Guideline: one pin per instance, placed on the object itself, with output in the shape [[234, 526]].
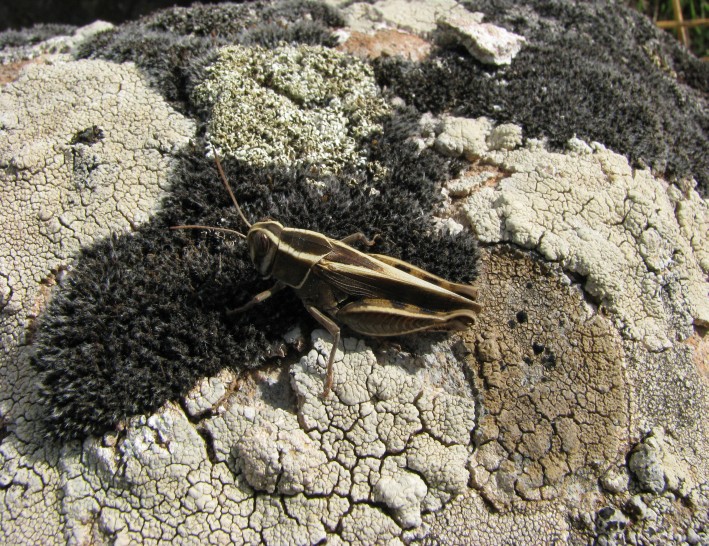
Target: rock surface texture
[[135, 409]]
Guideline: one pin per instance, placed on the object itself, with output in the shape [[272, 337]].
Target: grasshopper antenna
[[228, 188], [211, 228], [233, 199]]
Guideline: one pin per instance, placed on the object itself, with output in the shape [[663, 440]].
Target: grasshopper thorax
[[263, 239]]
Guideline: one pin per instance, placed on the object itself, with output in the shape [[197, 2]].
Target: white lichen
[[615, 226], [58, 194], [319, 105]]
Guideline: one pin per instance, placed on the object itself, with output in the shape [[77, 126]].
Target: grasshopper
[[372, 294]]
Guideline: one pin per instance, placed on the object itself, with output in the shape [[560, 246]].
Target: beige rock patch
[[549, 372]]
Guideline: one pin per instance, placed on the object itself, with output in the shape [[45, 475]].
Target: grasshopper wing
[[360, 275]]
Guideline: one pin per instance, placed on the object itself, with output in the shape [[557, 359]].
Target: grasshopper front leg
[[334, 330], [258, 298]]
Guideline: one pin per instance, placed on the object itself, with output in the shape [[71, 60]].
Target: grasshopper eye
[[262, 252], [261, 244]]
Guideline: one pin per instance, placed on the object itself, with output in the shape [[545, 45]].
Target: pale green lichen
[[291, 106]]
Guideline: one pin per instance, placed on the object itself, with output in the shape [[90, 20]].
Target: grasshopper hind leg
[[334, 330], [382, 318]]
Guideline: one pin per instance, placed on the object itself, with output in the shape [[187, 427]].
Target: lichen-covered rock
[[554, 405], [383, 415], [64, 189], [646, 464], [616, 479], [654, 252], [420, 18], [656, 469], [256, 471], [623, 237], [385, 43], [610, 524], [209, 392], [78, 165], [463, 137], [467, 520], [590, 336], [488, 43], [402, 495]]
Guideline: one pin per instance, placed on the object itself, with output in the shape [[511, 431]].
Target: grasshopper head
[[263, 238]]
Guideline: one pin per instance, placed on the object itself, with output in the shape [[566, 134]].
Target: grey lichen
[[656, 468], [62, 192], [375, 440], [646, 464], [62, 188], [622, 235], [317, 103], [253, 472]]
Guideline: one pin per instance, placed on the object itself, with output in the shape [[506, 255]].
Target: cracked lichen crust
[[636, 246], [317, 103], [63, 191], [615, 226], [77, 163], [550, 377], [469, 520], [358, 468]]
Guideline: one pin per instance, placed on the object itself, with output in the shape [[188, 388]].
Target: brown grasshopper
[[372, 294]]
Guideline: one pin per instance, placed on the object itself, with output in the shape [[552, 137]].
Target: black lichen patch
[[172, 46], [602, 74], [31, 36], [138, 324], [267, 24], [145, 315], [89, 136]]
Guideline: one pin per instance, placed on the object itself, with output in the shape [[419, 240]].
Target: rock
[[489, 44], [646, 465], [387, 43], [615, 480], [591, 277], [610, 521]]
